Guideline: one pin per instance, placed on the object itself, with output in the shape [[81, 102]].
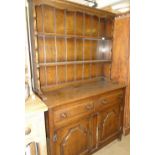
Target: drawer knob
[[63, 115], [89, 107], [27, 131], [104, 101]]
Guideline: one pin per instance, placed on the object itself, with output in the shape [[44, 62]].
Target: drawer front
[[75, 109], [108, 99]]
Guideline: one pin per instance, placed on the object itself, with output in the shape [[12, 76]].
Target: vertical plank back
[[70, 45]]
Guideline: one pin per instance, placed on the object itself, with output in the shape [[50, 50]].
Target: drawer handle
[[27, 131], [63, 115], [89, 107], [104, 101]]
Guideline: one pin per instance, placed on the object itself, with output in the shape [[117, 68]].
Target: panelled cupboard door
[[75, 139], [109, 123]]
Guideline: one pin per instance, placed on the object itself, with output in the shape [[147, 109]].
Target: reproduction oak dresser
[[71, 51]]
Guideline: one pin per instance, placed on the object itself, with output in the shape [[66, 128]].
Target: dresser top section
[[79, 91], [64, 4]]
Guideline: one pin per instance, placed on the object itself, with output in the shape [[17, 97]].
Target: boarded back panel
[[109, 28], [48, 19], [87, 71], [87, 50], [95, 26], [107, 70], [99, 69], [102, 28], [70, 49], [61, 50], [79, 70], [93, 70], [60, 25], [70, 72], [39, 19], [79, 49], [79, 23], [88, 25], [50, 50], [42, 76], [94, 49], [67, 43], [70, 24], [40, 50], [51, 75], [61, 73]]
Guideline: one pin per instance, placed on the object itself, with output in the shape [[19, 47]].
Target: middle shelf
[[72, 62], [85, 37]]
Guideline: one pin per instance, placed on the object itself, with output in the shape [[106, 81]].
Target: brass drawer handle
[[63, 115], [104, 101], [27, 131], [89, 106]]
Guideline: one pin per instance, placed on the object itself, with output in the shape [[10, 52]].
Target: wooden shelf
[[72, 62], [78, 45], [41, 34]]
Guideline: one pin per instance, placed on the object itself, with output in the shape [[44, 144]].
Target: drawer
[[77, 108], [106, 100]]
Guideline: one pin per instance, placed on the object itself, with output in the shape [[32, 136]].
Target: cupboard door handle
[[27, 131], [89, 107], [104, 101], [63, 115], [55, 137]]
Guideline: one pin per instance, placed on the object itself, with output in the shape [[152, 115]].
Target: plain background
[[12, 74]]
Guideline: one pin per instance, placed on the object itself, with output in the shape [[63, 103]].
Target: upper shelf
[[41, 34]]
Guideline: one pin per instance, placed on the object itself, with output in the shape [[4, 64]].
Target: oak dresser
[[71, 55]]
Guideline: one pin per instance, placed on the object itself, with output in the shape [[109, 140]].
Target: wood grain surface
[[121, 61]]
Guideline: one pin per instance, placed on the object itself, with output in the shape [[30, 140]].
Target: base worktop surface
[[79, 91]]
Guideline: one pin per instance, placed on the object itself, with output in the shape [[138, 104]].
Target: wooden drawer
[[108, 99], [74, 109]]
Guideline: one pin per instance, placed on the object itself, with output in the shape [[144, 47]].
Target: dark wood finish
[[92, 119], [73, 50], [72, 36], [121, 61], [73, 7], [74, 139], [78, 108], [109, 123], [104, 101], [78, 91]]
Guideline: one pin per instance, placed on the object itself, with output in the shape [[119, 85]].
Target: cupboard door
[[75, 139], [109, 123]]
